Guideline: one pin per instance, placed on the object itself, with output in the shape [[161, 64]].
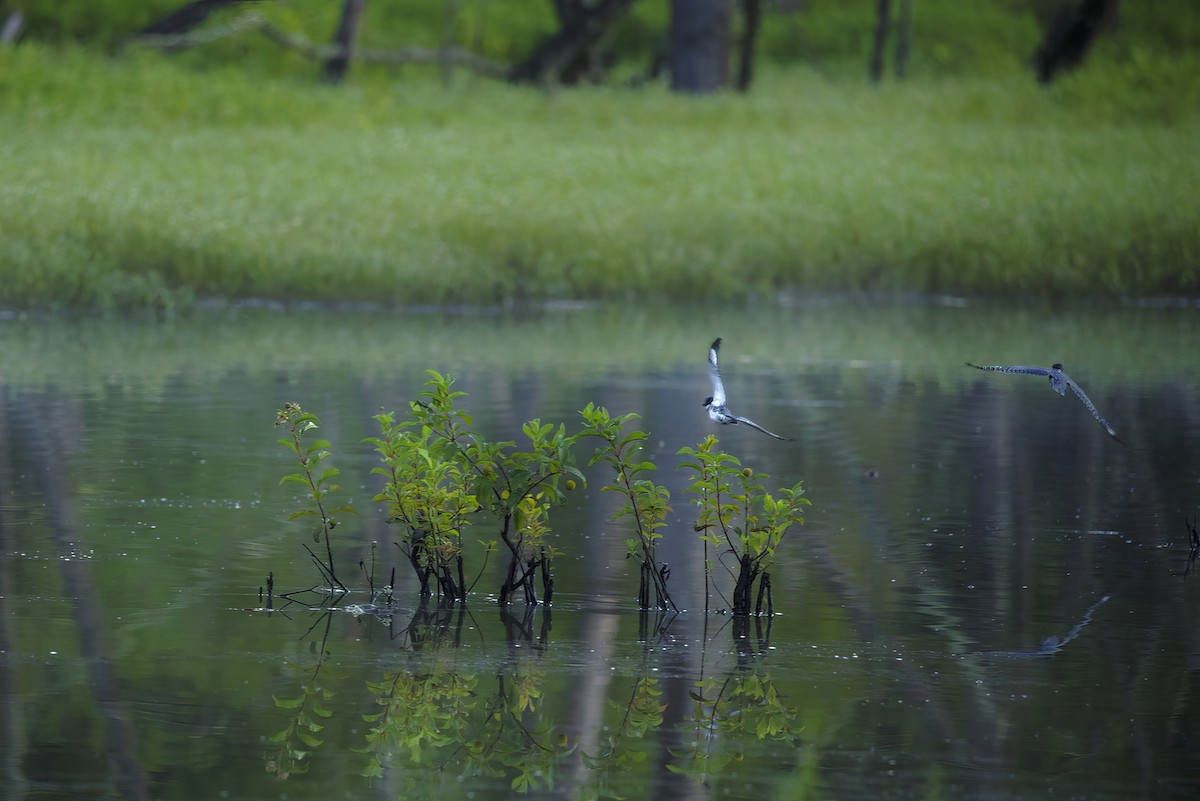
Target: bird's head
[[707, 401], [1056, 366]]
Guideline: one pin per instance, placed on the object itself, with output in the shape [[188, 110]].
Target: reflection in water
[[437, 713], [1052, 644], [953, 520], [1193, 547], [41, 423]]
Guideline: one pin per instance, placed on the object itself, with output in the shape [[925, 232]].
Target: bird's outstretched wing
[[755, 425], [714, 374], [1091, 407], [1016, 368]]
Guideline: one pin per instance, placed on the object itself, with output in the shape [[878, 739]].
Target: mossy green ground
[[137, 182]]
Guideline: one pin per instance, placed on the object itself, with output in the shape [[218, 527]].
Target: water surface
[[987, 600]]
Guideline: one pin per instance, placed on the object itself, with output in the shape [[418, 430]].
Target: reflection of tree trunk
[[701, 31], [13, 784], [347, 34], [883, 16], [1069, 37], [187, 17], [39, 421]]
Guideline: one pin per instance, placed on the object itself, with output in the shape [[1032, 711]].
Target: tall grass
[[133, 182]]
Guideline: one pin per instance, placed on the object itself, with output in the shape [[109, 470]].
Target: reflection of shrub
[[627, 745], [729, 713], [728, 493], [444, 720]]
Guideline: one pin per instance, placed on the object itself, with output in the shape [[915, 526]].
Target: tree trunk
[[1070, 36], [570, 14], [883, 19], [581, 27], [187, 17], [345, 38], [903, 38], [699, 43], [751, 20]]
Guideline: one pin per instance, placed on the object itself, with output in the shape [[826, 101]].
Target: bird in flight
[[1059, 381], [716, 404]]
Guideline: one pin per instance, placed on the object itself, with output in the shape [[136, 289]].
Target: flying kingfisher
[[716, 404], [1059, 381]]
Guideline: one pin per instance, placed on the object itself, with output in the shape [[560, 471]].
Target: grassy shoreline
[[133, 183]]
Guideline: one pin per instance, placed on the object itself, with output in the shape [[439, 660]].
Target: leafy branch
[[734, 512], [646, 503], [317, 480]]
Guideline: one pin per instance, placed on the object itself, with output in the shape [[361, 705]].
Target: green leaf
[[288, 703], [308, 739]]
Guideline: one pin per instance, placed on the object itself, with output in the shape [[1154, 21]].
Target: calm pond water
[[987, 600]]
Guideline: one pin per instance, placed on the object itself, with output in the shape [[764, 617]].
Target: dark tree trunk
[[699, 42], [883, 20], [903, 38], [1070, 36], [345, 38], [582, 27], [570, 14], [751, 20], [187, 17]]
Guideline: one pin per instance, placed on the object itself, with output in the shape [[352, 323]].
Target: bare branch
[[294, 41]]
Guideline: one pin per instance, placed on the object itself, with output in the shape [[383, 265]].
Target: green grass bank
[[134, 182]]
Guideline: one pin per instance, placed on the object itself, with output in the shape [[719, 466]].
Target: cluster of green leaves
[[428, 494], [737, 515], [439, 471], [646, 503], [439, 474], [317, 480]]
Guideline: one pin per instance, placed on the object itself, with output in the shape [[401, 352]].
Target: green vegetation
[[737, 516], [646, 503], [317, 481], [439, 472], [140, 180]]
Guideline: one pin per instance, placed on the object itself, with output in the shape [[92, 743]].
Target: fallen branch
[[293, 41]]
